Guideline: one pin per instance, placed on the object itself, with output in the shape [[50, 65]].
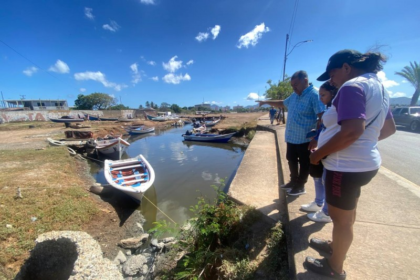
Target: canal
[[184, 171]]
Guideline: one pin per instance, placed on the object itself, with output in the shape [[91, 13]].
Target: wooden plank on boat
[[130, 176], [126, 167], [133, 181]]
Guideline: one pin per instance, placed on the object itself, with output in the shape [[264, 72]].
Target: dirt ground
[[113, 221]]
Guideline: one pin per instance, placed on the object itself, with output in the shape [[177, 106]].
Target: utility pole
[[284, 75], [2, 97], [120, 100]]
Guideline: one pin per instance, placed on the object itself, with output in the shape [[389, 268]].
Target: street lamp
[[287, 54], [285, 59]]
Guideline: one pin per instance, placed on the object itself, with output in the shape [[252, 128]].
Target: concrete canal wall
[[22, 116]]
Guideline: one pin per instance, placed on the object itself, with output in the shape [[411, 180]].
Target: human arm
[[274, 103], [388, 129], [350, 131]]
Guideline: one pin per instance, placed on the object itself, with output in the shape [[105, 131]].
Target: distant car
[[407, 116]]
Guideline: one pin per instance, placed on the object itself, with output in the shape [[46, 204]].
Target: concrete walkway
[[387, 230]]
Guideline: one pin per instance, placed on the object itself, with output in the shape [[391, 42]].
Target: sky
[[187, 52]]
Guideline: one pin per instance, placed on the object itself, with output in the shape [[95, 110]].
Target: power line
[[33, 63], [293, 20]]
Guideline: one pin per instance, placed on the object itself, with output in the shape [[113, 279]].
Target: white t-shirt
[[360, 98]]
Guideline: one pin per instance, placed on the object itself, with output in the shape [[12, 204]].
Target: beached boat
[[212, 123], [112, 147], [141, 130], [132, 176], [150, 117], [66, 119], [187, 122], [217, 138], [160, 119], [98, 118], [126, 120]]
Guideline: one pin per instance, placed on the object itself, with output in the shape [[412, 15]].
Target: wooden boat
[[98, 118], [160, 119], [112, 147], [141, 130], [66, 119], [150, 117], [132, 176], [126, 120], [76, 134], [55, 142], [216, 138], [212, 123], [187, 122]]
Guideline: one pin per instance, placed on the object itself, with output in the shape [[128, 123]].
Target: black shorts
[[342, 189]]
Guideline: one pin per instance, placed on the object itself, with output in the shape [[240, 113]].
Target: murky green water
[[184, 171]]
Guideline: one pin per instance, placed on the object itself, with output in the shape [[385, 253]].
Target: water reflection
[[184, 171]]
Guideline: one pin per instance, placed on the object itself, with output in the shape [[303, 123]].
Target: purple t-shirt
[[360, 98]]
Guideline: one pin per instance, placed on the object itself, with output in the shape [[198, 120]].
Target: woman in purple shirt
[[358, 118]]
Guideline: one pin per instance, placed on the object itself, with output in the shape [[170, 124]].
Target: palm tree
[[412, 74]]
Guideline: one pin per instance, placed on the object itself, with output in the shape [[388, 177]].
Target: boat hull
[[113, 148], [215, 138], [141, 131], [66, 120], [132, 176]]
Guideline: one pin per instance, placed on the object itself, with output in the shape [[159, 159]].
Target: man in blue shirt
[[304, 108], [272, 114]]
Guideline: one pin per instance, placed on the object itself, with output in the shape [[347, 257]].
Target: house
[[35, 105]]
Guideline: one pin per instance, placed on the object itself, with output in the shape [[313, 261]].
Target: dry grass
[[52, 192], [240, 120]]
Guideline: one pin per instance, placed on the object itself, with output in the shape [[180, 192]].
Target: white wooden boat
[[141, 130], [66, 119], [217, 138], [132, 176], [212, 123], [126, 120], [55, 142], [160, 119], [112, 147]]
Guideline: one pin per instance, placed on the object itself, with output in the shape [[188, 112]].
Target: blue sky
[[187, 51]]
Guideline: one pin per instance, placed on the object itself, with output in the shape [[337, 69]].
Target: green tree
[[140, 106], [118, 107], [147, 104], [155, 107], [94, 101], [280, 90], [164, 106], [176, 108], [412, 74], [152, 105]]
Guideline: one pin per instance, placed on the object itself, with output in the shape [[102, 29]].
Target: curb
[[284, 210]]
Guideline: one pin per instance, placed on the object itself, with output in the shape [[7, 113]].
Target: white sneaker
[[311, 207], [319, 217]]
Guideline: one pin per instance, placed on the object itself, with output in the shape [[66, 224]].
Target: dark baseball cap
[[338, 59]]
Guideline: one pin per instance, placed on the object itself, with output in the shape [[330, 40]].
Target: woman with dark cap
[[358, 118]]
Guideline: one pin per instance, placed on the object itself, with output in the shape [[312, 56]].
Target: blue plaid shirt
[[302, 114]]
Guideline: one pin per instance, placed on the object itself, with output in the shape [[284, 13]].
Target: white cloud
[[202, 36], [30, 71], [155, 78], [252, 37], [254, 96], [404, 81], [82, 89], [190, 62], [98, 77], [175, 79], [397, 94], [216, 103], [215, 31], [88, 13], [387, 83], [172, 64], [147, 2], [151, 63], [113, 26], [60, 67], [135, 74]]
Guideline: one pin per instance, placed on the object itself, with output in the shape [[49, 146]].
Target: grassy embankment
[[53, 199]]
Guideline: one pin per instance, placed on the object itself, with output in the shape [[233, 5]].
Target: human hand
[[315, 158], [312, 145]]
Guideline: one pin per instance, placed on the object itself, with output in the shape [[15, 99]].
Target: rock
[[9, 226], [168, 239], [120, 258], [133, 243], [133, 265], [154, 242], [168, 246], [128, 252], [140, 227], [145, 269]]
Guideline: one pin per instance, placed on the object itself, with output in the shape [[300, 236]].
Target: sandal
[[321, 246], [322, 267]]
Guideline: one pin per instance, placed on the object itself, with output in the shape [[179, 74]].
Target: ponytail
[[371, 62]]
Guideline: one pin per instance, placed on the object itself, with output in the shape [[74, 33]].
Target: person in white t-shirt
[[358, 118]]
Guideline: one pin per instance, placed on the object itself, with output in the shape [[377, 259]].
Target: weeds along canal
[[184, 171]]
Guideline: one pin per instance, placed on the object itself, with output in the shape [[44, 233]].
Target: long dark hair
[[331, 89], [370, 62]]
